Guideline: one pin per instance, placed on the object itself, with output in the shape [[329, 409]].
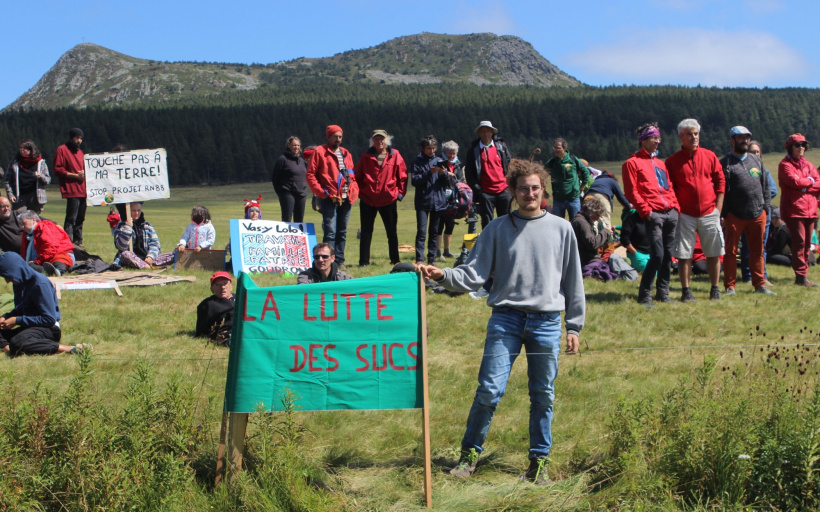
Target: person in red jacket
[[699, 183], [45, 246], [330, 178], [647, 186], [382, 178], [69, 166], [800, 186]]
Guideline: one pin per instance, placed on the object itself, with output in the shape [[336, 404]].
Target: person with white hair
[[699, 185]]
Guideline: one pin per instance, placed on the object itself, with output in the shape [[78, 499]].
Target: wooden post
[[220, 452], [236, 442], [425, 410]]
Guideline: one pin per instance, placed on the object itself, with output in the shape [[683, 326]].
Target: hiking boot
[[686, 296], [662, 297], [804, 281], [447, 254], [537, 471], [730, 292], [645, 297], [714, 293], [466, 464], [765, 291]]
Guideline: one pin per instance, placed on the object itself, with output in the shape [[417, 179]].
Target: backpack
[[459, 201]]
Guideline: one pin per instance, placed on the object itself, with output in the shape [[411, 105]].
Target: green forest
[[236, 137]]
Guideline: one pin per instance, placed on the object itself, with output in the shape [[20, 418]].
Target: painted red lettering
[[347, 297], [380, 306], [331, 359], [390, 353], [335, 308], [270, 305], [245, 316], [414, 356], [362, 359], [366, 297], [376, 366], [312, 359], [305, 315], [296, 351]]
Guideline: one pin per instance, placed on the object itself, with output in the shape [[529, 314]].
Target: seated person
[[634, 238], [778, 246], [10, 228], [137, 242], [590, 243], [214, 315], [200, 233], [33, 326], [324, 267], [45, 245], [699, 265]]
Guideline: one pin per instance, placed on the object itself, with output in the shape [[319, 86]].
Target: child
[[113, 218], [252, 209], [200, 233]]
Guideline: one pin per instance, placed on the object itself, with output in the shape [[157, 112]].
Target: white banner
[[137, 175], [266, 246]]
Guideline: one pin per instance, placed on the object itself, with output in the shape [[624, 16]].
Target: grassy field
[[371, 460]]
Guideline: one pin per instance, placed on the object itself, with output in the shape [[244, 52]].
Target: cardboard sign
[[352, 344], [206, 259], [127, 177], [265, 246]]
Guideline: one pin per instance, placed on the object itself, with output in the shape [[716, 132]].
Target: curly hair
[[523, 168], [593, 206]]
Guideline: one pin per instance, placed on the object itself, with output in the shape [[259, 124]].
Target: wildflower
[[743, 456]]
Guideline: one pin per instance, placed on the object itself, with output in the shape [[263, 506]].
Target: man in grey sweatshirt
[[537, 274]]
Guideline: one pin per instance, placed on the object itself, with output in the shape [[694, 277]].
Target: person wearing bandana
[[27, 177], [647, 186]]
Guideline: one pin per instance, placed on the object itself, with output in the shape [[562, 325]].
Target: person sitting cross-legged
[[33, 326], [590, 242], [138, 243]]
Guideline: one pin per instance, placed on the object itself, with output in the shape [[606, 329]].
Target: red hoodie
[[65, 162], [698, 179], [51, 243], [381, 185], [641, 184]]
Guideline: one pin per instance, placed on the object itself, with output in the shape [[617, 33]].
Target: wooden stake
[[220, 452], [425, 410], [236, 443]]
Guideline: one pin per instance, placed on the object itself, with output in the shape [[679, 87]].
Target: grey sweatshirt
[[536, 266]]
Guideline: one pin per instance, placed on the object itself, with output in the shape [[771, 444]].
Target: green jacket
[[567, 175]]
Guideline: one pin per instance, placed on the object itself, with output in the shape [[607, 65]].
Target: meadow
[[638, 370]]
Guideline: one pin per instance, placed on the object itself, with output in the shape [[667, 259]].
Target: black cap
[[75, 132]]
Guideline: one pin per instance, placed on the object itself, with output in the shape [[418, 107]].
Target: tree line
[[236, 137]]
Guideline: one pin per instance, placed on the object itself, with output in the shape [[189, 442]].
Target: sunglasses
[[321, 256], [801, 144]]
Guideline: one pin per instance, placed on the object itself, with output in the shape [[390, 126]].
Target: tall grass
[[101, 432]]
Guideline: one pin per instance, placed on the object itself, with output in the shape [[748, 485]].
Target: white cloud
[[482, 16], [761, 7], [692, 57]]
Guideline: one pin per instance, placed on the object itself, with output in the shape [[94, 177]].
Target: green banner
[[352, 344]]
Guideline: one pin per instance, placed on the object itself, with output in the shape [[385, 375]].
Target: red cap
[[219, 274], [333, 129], [794, 139], [307, 154]]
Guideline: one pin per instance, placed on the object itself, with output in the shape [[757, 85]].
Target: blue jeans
[[334, 225], [507, 330], [573, 206]]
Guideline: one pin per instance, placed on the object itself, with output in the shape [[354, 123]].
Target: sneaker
[[480, 294], [686, 296], [466, 464], [537, 471], [714, 293], [729, 292], [765, 291], [50, 269], [804, 281], [447, 254]]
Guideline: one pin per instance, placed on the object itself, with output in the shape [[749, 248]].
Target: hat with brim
[[739, 130], [220, 274], [793, 139], [380, 133], [486, 124]]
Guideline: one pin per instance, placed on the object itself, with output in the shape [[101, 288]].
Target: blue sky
[[748, 43]]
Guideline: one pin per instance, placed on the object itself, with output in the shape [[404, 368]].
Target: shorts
[[707, 227]]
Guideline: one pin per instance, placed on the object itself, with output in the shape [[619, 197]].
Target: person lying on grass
[[33, 326]]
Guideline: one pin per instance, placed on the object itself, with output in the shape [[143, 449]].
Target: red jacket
[[698, 179], [66, 161], [51, 243], [323, 175], [794, 178], [381, 185], [641, 185]]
